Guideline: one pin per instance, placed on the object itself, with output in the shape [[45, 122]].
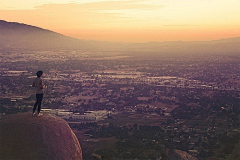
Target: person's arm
[[42, 85]]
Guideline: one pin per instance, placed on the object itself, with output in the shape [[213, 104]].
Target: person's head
[[39, 74]]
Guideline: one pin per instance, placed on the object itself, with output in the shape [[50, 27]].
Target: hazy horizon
[[134, 21], [119, 42]]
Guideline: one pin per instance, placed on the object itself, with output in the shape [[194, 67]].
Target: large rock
[[177, 155], [47, 137]]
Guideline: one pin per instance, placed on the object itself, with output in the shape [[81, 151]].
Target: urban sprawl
[[188, 103]]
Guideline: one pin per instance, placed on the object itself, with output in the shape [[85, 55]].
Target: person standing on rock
[[38, 84]]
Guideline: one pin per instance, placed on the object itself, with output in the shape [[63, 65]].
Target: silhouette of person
[[38, 84]]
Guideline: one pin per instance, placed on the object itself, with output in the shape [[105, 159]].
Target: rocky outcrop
[[46, 137], [177, 155]]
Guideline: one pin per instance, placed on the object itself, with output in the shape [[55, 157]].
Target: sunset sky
[[129, 20]]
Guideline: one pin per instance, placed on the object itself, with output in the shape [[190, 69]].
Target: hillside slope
[[21, 36]]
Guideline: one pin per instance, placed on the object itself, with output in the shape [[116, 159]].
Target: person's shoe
[[33, 114], [39, 114]]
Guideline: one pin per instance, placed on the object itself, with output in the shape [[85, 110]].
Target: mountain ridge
[[14, 35], [23, 36]]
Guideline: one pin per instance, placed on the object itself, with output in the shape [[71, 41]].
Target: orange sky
[[130, 20]]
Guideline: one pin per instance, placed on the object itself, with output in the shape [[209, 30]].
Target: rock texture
[[182, 155], [47, 137], [177, 155]]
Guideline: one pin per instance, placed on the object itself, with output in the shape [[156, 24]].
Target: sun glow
[[131, 20]]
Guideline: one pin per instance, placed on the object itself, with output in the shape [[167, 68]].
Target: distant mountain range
[[21, 36]]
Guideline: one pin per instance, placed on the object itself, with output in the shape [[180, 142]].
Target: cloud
[[181, 25], [105, 5], [118, 5], [105, 14]]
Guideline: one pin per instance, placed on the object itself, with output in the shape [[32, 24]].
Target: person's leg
[[40, 103], [37, 101]]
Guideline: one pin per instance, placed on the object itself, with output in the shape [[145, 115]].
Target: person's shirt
[[38, 84]]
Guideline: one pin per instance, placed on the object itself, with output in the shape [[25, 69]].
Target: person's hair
[[39, 73]]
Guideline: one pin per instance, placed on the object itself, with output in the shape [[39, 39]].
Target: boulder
[[46, 137]]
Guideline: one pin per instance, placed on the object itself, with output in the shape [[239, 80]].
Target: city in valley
[[132, 105]]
